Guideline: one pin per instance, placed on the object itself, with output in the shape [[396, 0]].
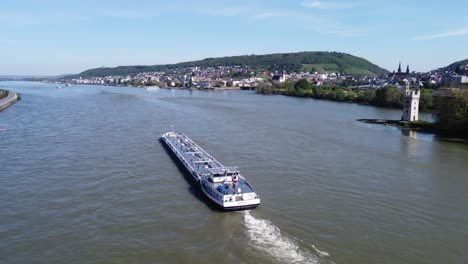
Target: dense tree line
[[452, 114], [385, 97], [291, 62]]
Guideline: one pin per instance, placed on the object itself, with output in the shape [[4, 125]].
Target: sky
[[51, 37]]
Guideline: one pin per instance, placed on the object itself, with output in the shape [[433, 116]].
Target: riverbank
[[387, 96], [224, 88], [7, 98]]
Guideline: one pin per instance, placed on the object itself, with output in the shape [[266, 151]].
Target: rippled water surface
[[84, 179]]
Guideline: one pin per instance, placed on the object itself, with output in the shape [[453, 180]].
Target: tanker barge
[[223, 186]]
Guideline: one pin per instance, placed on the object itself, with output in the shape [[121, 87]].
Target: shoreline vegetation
[[146, 85], [387, 96], [450, 109]]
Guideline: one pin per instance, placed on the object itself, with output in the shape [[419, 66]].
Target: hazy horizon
[[54, 37]]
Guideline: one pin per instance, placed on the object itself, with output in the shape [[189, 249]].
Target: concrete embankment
[[7, 98]]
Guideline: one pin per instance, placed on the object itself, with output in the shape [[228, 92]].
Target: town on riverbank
[[320, 68], [249, 77], [442, 92], [331, 76]]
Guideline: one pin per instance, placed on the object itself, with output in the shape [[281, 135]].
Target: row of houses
[[236, 76]]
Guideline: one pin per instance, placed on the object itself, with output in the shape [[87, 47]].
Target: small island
[[419, 126], [451, 115], [449, 105], [410, 117]]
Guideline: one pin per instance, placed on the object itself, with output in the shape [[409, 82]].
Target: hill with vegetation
[[457, 66], [323, 62]]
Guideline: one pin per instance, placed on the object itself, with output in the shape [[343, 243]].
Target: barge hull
[[222, 204]]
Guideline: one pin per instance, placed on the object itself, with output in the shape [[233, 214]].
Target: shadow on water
[[193, 188]]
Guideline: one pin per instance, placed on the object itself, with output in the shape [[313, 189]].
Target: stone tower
[[411, 104]]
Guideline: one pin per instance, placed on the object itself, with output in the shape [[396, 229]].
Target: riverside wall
[[8, 100]]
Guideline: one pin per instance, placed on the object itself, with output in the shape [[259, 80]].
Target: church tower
[[399, 69], [407, 70], [411, 104]]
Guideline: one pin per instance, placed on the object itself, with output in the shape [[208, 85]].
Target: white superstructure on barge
[[224, 186]]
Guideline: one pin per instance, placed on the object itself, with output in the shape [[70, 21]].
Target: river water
[[84, 179]]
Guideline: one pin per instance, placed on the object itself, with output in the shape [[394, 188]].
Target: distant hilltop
[[322, 62], [458, 67]]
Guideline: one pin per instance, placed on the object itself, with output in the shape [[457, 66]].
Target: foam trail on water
[[267, 237], [321, 253]]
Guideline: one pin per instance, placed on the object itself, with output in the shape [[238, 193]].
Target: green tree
[[388, 97], [339, 95], [264, 88], [365, 96], [302, 85], [319, 92], [452, 115], [425, 102]]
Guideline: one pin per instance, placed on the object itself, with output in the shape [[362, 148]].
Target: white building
[[279, 78], [323, 76], [455, 79], [411, 104]]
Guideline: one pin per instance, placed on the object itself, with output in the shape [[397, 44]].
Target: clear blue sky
[[57, 37]]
